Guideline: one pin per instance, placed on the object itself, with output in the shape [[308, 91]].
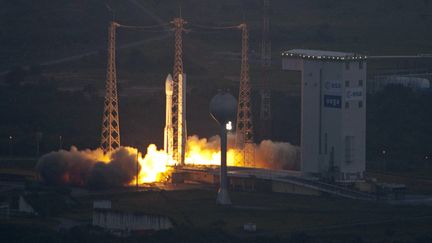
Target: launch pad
[[264, 180]]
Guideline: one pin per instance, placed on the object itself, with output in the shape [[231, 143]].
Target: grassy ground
[[276, 213], [280, 214], [326, 219]]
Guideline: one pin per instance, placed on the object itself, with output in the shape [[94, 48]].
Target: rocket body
[[180, 124], [168, 130]]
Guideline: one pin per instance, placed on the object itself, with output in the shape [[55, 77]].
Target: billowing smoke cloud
[[120, 170], [97, 170], [277, 155], [88, 167], [268, 154]]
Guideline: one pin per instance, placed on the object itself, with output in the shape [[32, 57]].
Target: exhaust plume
[[277, 155], [97, 170], [268, 154], [88, 167]]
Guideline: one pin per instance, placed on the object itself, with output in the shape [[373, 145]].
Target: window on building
[[347, 105], [347, 83], [361, 65], [347, 65], [360, 83], [349, 149], [360, 104]]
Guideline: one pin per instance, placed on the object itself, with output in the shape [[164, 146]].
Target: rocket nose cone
[[169, 85], [169, 77]]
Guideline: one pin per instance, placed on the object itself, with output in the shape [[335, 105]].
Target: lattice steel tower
[[110, 137], [244, 127], [265, 92], [178, 98]]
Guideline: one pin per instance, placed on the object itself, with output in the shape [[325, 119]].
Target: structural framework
[[244, 126], [178, 97], [110, 137]]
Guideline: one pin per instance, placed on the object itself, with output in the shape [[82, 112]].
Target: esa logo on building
[[332, 101], [354, 94], [333, 86]]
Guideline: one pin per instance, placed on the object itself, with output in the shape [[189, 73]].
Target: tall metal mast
[[178, 109], [245, 137], [110, 137], [265, 92]]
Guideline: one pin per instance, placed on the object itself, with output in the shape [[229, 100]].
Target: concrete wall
[[283, 187], [354, 122], [310, 117], [333, 117], [106, 204], [125, 221], [242, 184], [203, 177]]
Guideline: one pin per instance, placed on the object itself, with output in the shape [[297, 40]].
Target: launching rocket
[[168, 131], [175, 134]]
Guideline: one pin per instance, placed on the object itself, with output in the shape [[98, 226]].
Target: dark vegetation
[[9, 233], [34, 109], [279, 218], [43, 102], [398, 122], [91, 235]]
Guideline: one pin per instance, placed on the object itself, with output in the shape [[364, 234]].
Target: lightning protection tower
[[244, 126], [178, 98], [110, 137]]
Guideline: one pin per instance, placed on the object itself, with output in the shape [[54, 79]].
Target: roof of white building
[[322, 55]]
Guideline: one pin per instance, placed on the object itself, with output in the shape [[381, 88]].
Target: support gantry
[[178, 98], [110, 137], [244, 126]]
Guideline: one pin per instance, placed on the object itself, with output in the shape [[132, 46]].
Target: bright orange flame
[[156, 163], [153, 165], [203, 152]]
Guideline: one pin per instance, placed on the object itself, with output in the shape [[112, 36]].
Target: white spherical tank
[[223, 107]]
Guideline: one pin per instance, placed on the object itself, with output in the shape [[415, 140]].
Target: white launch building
[[333, 112]]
